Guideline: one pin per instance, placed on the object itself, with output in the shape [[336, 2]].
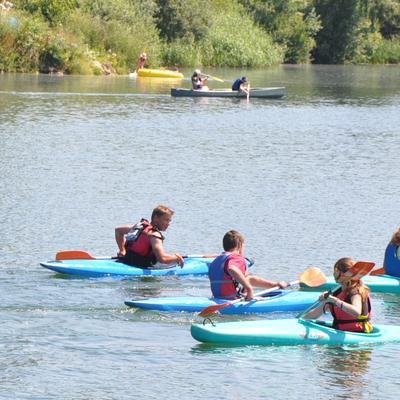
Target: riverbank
[[106, 37]]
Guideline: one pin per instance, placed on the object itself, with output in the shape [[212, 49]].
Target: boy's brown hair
[[232, 239]]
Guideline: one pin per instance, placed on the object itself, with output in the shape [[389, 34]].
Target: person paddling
[[199, 80], [351, 306], [141, 244], [241, 85], [391, 263], [228, 273]]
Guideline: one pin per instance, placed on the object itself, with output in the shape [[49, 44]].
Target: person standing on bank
[[141, 244], [228, 273]]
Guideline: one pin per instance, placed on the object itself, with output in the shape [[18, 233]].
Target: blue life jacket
[[391, 262], [236, 84], [222, 284]]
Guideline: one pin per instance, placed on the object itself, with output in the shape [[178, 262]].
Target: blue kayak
[[289, 332], [377, 283], [112, 267], [279, 300]]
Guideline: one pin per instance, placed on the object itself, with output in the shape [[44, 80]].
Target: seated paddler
[[351, 306], [229, 275], [141, 244], [391, 263]]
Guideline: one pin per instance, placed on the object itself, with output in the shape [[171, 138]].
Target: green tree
[[183, 19]]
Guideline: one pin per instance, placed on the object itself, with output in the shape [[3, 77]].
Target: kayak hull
[[272, 93], [111, 267], [377, 283], [159, 73], [289, 332], [275, 301]]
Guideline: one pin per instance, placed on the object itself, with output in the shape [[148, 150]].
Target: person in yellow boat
[[141, 244], [351, 307], [141, 61], [199, 80]]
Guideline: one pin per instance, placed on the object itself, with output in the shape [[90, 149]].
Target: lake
[[307, 179]]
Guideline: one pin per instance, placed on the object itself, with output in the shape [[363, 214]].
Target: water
[[307, 179]]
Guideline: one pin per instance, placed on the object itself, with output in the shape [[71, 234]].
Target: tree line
[[97, 36]]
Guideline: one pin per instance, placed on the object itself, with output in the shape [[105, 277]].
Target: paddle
[[248, 92], [214, 78], [84, 255], [357, 271], [311, 277], [379, 271]]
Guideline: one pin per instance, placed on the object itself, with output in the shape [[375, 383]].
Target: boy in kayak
[[141, 244], [198, 80], [241, 85], [351, 307], [228, 273]]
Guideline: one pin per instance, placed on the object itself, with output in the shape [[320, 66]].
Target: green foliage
[[387, 52], [188, 20], [292, 23], [235, 40], [180, 53], [54, 11]]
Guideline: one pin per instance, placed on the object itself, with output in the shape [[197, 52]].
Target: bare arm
[[161, 255], [240, 277], [120, 232]]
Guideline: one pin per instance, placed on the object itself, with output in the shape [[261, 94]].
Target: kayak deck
[[274, 301], [289, 332], [112, 267], [377, 283], [159, 73]]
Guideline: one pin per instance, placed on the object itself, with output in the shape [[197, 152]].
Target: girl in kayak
[[228, 273], [351, 307], [141, 244], [198, 80]]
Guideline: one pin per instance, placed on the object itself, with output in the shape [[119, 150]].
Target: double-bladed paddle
[[84, 255], [311, 277], [357, 271]]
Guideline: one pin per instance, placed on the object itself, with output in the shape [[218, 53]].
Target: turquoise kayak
[[112, 267], [279, 300], [289, 332], [377, 283]]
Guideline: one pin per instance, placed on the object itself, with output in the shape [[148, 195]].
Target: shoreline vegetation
[[97, 37]]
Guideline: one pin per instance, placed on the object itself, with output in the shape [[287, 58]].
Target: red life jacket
[[346, 322], [138, 250]]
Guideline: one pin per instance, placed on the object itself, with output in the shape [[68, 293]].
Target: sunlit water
[[308, 179]]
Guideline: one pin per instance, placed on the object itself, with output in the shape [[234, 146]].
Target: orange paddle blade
[[359, 269], [312, 277], [379, 271], [213, 309], [73, 255]]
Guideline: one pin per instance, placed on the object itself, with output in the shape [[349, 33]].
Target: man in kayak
[[228, 273], [141, 244], [198, 80], [241, 85], [351, 307], [391, 263]]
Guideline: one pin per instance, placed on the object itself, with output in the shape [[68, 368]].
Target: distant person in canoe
[[241, 85], [141, 61], [228, 273], [351, 307], [141, 244], [391, 263], [199, 80]]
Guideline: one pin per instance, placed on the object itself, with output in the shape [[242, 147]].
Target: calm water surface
[[307, 179]]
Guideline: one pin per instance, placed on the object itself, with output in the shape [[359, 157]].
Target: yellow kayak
[[159, 73]]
